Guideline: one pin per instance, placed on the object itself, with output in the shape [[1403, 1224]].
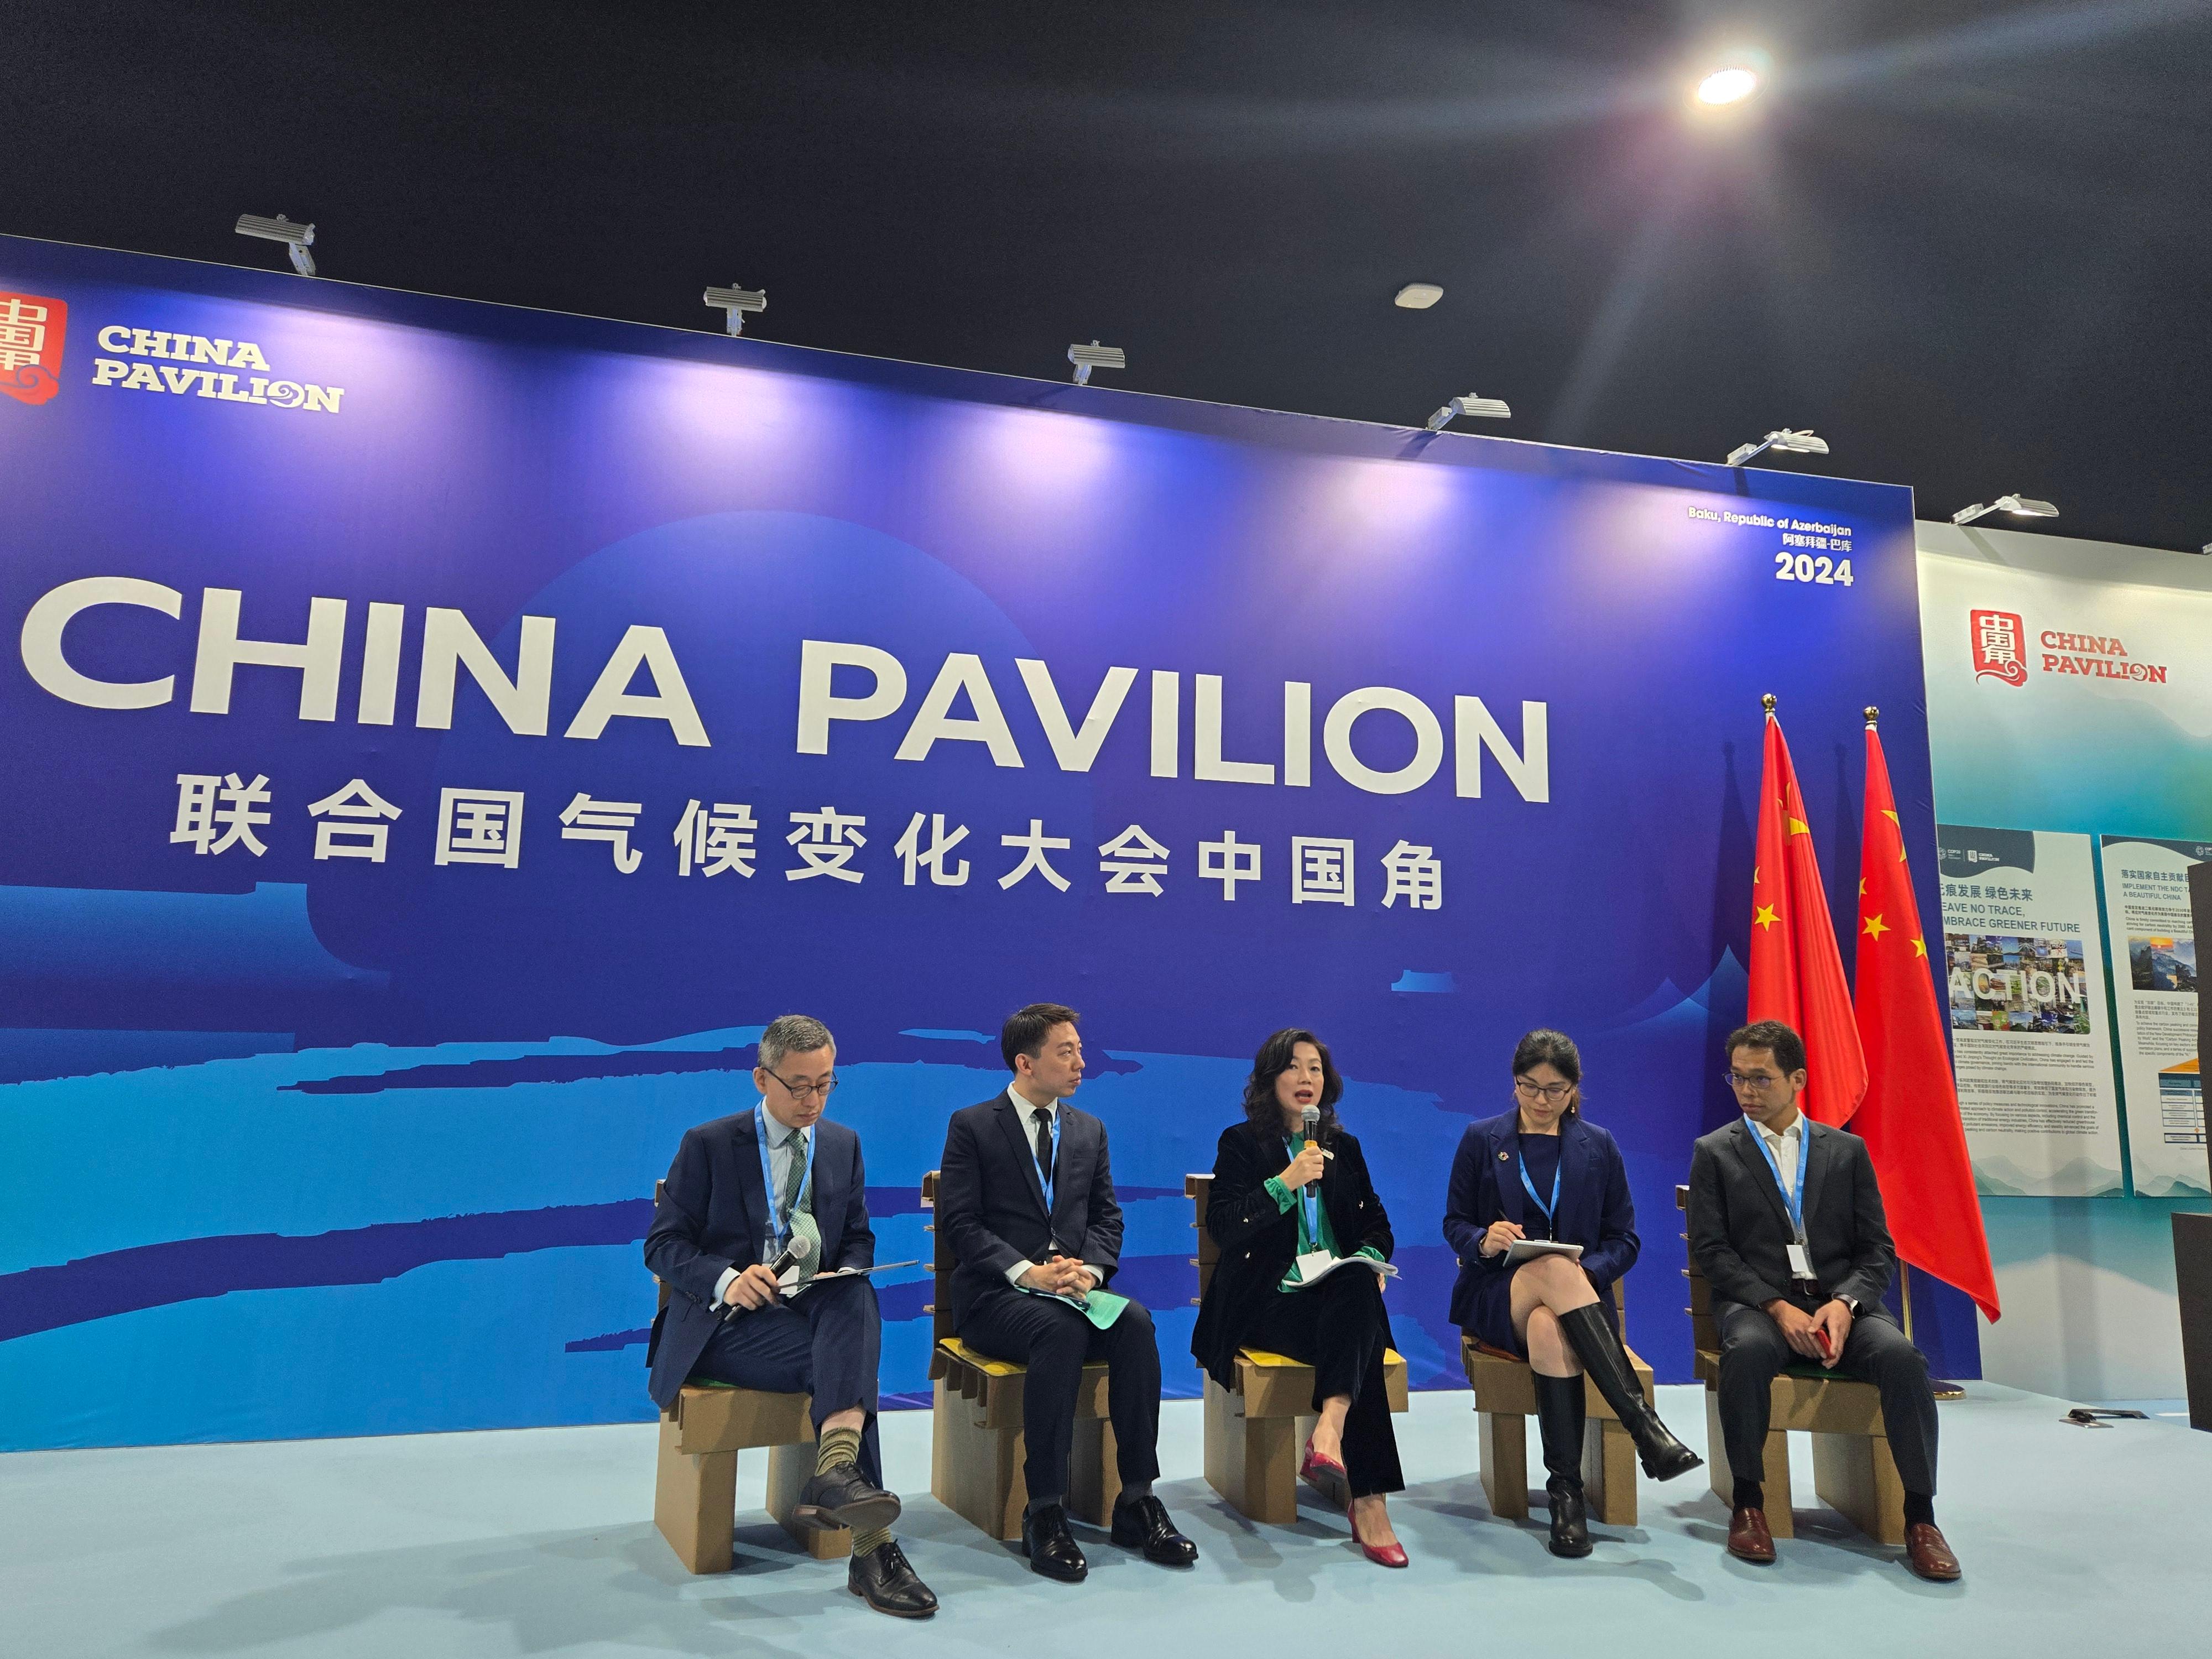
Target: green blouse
[[1321, 1236], [1318, 1236]]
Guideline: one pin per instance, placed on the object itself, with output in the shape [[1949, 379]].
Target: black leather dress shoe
[[883, 1579], [842, 1498], [1144, 1524], [1050, 1547]]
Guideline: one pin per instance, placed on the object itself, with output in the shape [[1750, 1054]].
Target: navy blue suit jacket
[[991, 1204], [1595, 1211], [712, 1215]]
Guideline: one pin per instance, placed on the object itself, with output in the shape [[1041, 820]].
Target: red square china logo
[[1997, 645], [31, 329]]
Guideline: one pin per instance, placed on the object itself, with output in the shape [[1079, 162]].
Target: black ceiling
[[1965, 242]]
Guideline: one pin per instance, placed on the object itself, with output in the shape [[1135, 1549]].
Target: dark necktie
[[1044, 1147]]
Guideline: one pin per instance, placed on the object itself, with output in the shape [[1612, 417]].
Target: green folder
[[1101, 1308]]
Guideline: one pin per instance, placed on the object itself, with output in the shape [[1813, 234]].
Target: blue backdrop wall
[[619, 690]]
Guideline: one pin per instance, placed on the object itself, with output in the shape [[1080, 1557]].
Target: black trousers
[[1337, 1328], [1753, 1351], [1056, 1341], [825, 1342]]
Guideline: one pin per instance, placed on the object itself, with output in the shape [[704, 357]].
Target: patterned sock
[[1919, 1510], [1132, 1491], [868, 1542], [836, 1448], [1750, 1495]]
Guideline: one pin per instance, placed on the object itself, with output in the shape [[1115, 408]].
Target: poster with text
[[2026, 994], [2154, 955]]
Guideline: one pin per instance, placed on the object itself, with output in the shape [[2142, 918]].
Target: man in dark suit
[[1026, 1196], [1786, 1225], [741, 1191]]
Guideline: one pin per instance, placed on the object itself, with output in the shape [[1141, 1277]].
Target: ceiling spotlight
[[1727, 86], [296, 238], [1788, 442], [1417, 296], [1493, 409], [735, 302], [1094, 355], [2020, 507]]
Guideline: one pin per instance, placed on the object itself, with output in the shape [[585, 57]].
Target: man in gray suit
[[1786, 1225], [1026, 1196]]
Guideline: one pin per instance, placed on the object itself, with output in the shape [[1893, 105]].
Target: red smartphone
[[1820, 1335]]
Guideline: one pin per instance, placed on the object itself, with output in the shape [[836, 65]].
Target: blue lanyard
[[1310, 1201], [775, 1223], [1796, 1200], [1551, 1210]]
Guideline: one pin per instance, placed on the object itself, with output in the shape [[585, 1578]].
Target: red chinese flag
[[1910, 1120], [1797, 974]]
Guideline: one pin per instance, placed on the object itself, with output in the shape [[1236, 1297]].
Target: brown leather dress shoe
[[1927, 1555], [1748, 1538]]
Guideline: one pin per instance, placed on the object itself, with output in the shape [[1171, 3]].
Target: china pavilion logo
[[32, 326], [1996, 640]]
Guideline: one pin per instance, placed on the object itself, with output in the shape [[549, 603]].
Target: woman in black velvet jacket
[[1263, 1220]]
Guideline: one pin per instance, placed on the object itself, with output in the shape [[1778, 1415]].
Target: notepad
[[1309, 1269], [790, 1273], [1527, 1249]]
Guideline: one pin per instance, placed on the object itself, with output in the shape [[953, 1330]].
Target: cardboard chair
[[1505, 1399], [695, 1483], [1853, 1471], [976, 1450], [1254, 1433]]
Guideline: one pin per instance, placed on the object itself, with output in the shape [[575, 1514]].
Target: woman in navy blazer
[[1540, 1172]]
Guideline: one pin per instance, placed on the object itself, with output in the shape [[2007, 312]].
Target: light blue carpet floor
[[540, 1542]]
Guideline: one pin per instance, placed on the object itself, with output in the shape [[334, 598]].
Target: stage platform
[[539, 1543]]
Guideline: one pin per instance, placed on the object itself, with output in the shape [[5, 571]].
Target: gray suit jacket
[[1740, 1226]]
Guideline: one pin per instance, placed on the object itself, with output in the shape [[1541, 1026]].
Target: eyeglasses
[[1758, 1082], [827, 1087], [1554, 1092]]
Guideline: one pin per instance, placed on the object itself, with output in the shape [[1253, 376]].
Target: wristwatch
[[1850, 1305]]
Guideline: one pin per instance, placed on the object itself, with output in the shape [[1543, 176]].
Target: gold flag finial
[[1768, 701], [1873, 714]]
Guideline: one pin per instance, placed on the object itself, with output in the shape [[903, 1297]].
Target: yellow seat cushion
[[967, 1356], [1262, 1357]]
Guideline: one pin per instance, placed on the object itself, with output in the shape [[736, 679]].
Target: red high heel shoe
[[1384, 1555], [1327, 1476]]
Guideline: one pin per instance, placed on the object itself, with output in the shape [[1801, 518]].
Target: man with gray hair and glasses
[[782, 1180]]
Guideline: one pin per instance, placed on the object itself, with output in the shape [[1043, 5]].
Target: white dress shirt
[[1784, 1148], [784, 1144], [1031, 1115]]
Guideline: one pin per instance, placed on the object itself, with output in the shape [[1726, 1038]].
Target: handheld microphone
[[794, 1253], [1310, 1120]]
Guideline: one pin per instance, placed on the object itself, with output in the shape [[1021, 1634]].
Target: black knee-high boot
[[1559, 1421], [1663, 1456]]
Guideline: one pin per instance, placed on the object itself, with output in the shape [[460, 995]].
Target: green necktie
[[797, 1206]]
